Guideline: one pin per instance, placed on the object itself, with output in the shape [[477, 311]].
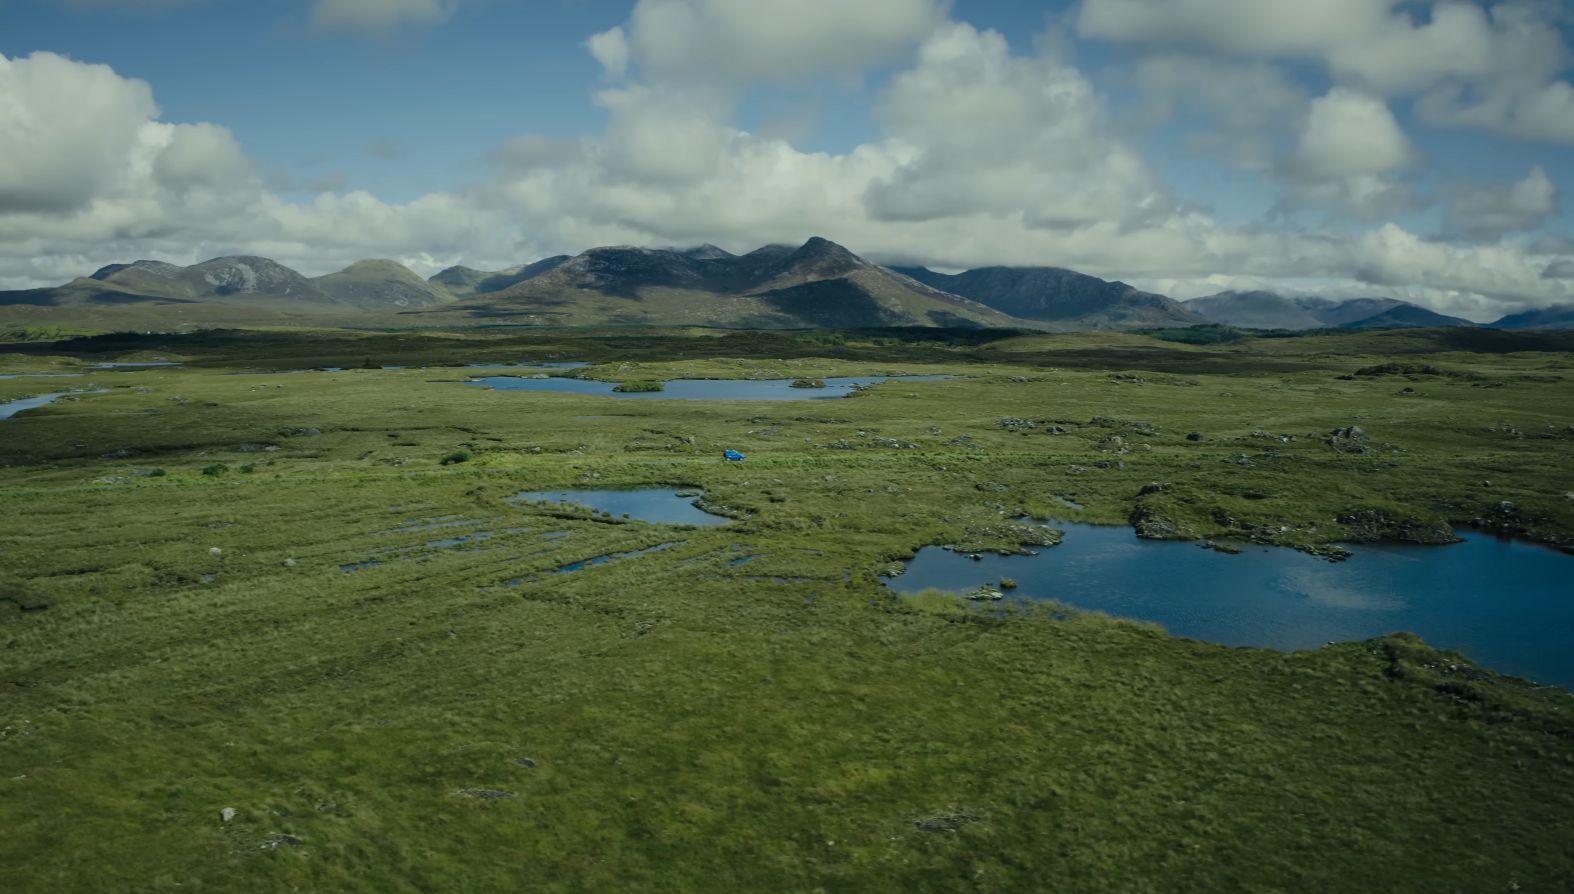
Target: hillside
[[378, 285], [462, 282], [1064, 299], [1557, 317], [1404, 316], [818, 284], [1270, 310]]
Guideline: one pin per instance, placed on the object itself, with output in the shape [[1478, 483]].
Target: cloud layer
[[985, 155]]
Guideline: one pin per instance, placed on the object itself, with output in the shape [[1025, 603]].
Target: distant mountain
[[817, 284], [1407, 316], [253, 282], [1269, 310], [1556, 317], [380, 285], [462, 282], [1062, 298]]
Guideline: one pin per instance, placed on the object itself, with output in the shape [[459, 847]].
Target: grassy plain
[[459, 717]]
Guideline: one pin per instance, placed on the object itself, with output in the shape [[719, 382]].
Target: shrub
[[216, 470], [458, 456], [638, 387]]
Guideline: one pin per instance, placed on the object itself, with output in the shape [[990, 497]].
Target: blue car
[[732, 456]]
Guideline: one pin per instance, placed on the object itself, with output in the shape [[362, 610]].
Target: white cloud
[[1348, 151], [66, 130], [1494, 68], [1488, 213], [738, 41], [979, 131], [378, 16], [1245, 27], [1347, 134], [987, 157], [89, 175], [611, 49]]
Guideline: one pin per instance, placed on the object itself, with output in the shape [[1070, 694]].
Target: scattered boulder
[[1367, 525], [1349, 439], [1151, 523], [226, 814], [1012, 423], [1196, 436], [1153, 487], [950, 822]]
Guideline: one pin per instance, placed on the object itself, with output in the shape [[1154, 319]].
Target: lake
[[651, 504], [1507, 605], [700, 389]]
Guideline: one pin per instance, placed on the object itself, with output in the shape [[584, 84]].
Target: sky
[[1344, 148]]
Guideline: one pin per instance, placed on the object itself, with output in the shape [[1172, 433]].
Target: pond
[[1505, 604], [650, 504], [700, 389]]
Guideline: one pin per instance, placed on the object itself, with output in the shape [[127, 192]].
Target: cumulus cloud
[[1495, 68], [1349, 148], [66, 130], [980, 131], [378, 16], [1347, 133], [89, 175], [986, 156], [1487, 213], [738, 41]]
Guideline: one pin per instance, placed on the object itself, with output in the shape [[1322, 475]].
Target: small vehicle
[[732, 456]]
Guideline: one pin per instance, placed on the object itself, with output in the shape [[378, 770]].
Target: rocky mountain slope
[[1270, 310], [250, 282], [1064, 299], [817, 284]]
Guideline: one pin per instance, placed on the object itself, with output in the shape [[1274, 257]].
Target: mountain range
[[1268, 310], [818, 284]]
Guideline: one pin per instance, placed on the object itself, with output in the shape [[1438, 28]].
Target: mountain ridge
[[816, 284], [1272, 310]]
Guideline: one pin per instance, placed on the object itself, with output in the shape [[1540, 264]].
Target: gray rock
[[950, 822], [1350, 439], [227, 814]]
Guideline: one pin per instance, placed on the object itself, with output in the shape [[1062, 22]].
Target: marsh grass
[[672, 721]]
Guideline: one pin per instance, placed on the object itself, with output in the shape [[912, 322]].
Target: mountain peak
[[157, 268], [706, 252]]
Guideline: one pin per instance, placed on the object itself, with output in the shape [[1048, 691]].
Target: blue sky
[[1377, 147]]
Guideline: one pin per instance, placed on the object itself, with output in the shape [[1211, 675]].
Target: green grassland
[[460, 717]]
